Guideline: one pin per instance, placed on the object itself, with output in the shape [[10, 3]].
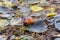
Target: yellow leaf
[[42, 0], [34, 2], [1, 3], [4, 0], [3, 22], [7, 3], [36, 8], [51, 14], [52, 9]]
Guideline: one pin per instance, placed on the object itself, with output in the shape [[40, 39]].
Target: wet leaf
[[38, 27], [57, 39]]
